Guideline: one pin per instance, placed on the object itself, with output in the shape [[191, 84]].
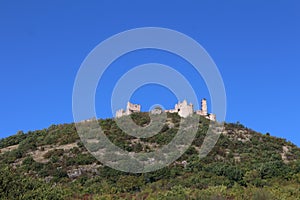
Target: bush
[[28, 161], [55, 152], [81, 159]]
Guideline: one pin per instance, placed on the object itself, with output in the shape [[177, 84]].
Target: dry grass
[[10, 148], [38, 155]]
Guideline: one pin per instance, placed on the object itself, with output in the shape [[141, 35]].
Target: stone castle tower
[[204, 106], [203, 111]]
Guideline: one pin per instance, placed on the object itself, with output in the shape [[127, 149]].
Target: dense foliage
[[54, 164]]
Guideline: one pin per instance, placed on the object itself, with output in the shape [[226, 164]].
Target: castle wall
[[212, 117], [131, 108], [184, 110], [120, 113]]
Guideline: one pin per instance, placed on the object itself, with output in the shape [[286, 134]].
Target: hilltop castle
[[182, 108]]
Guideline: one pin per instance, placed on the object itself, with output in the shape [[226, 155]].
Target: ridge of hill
[[54, 164]]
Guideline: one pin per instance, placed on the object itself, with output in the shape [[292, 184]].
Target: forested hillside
[[54, 164]]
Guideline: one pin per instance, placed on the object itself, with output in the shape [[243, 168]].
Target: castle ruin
[[182, 108], [131, 108]]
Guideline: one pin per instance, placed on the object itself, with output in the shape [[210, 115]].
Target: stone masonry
[[131, 108]]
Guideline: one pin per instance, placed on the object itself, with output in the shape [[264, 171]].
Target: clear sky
[[255, 44]]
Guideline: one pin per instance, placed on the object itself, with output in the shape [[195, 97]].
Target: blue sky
[[255, 44]]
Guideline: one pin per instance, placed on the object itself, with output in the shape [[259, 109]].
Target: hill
[[54, 164]]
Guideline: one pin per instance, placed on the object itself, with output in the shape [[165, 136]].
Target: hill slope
[[53, 163]]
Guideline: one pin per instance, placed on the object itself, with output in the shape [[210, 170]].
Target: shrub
[[55, 152]]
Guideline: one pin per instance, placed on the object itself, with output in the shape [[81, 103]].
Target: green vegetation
[[53, 164]]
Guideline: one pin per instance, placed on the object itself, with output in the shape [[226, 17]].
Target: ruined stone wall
[[131, 108], [120, 113], [212, 117], [184, 109]]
